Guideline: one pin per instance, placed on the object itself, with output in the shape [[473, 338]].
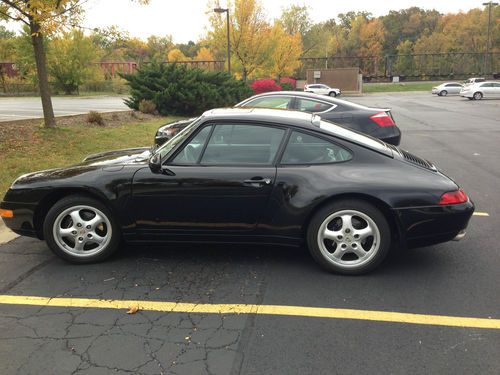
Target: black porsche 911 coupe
[[245, 175], [377, 122]]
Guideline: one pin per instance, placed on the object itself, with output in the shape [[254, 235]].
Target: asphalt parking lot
[[27, 108], [271, 310]]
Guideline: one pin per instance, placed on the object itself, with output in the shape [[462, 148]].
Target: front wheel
[[443, 93], [478, 96], [81, 230], [333, 94], [349, 237]]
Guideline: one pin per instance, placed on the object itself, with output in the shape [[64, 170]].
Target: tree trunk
[[43, 80]]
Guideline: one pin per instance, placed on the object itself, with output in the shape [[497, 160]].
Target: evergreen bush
[[179, 90]]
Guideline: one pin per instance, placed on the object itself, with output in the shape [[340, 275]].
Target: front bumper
[[22, 221]]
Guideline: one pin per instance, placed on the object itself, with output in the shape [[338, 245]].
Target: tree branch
[[15, 6], [13, 18]]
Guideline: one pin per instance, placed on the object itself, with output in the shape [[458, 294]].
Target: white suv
[[320, 89]]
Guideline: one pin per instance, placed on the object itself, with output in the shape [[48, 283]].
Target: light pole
[[226, 10], [487, 51]]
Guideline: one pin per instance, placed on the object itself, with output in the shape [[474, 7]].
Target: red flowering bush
[[265, 85]]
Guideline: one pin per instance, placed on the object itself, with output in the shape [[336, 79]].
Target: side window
[[308, 105], [282, 102], [486, 85], [307, 149], [242, 145], [497, 85], [192, 151]]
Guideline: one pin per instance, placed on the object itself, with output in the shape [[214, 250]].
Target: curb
[[6, 235]]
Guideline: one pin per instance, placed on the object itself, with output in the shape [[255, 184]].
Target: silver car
[[447, 88], [481, 90]]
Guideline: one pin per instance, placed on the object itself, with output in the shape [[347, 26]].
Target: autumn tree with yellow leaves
[[256, 45]]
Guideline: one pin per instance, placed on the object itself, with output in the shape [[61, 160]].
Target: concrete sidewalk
[[6, 235]]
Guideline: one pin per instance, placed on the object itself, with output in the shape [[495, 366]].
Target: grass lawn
[[26, 147], [399, 87]]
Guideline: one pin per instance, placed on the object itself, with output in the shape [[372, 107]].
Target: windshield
[[174, 141]]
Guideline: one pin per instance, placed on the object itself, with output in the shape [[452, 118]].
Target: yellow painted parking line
[[480, 214], [302, 311]]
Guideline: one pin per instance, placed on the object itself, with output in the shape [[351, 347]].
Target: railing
[[412, 66]]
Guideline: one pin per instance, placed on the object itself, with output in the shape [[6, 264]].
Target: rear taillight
[[453, 197], [383, 119]]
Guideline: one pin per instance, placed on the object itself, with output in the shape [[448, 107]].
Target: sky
[[187, 19]]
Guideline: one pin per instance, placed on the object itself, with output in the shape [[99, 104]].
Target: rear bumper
[[424, 226]]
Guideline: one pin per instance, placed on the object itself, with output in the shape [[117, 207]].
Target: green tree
[[70, 57], [296, 19], [43, 17]]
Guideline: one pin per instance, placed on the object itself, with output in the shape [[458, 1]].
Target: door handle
[[261, 181]]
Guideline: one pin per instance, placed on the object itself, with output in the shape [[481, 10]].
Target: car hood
[[110, 161], [118, 156]]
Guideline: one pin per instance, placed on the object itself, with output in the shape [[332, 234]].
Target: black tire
[[477, 96], [364, 266], [333, 94], [443, 93], [111, 235]]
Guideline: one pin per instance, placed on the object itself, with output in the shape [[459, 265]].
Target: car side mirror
[[155, 163]]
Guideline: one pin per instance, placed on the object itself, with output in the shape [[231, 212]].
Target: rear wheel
[[81, 230], [443, 93], [478, 96], [332, 94], [349, 237]]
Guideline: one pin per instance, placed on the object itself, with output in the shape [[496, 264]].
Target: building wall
[[346, 79]]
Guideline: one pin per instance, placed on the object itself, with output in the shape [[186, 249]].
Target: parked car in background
[[377, 122], [321, 89], [448, 88], [481, 90], [246, 176]]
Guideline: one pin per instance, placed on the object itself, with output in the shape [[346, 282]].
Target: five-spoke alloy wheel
[[81, 230], [349, 237]]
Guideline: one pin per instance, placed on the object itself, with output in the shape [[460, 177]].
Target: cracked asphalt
[[453, 279]]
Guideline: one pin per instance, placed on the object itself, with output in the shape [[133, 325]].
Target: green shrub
[[285, 86], [147, 106], [178, 90], [94, 117]]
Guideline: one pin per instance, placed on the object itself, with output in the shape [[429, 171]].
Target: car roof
[[298, 119], [278, 116], [306, 95]]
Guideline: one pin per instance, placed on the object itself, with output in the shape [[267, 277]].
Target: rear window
[[362, 139]]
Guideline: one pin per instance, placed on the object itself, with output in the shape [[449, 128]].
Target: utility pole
[[226, 10], [487, 50]]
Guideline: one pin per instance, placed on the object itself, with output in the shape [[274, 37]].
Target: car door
[[217, 182], [495, 90], [453, 88], [323, 90], [486, 89]]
